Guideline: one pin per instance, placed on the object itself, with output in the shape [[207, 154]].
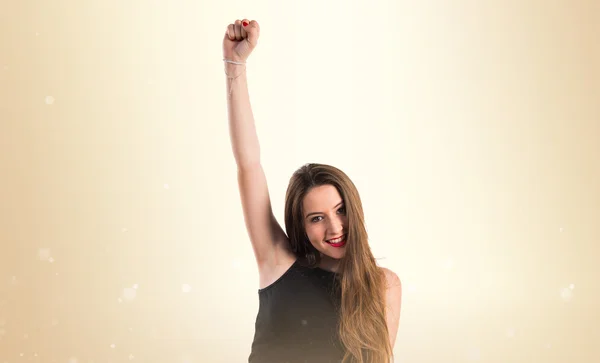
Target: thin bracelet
[[231, 79], [230, 61]]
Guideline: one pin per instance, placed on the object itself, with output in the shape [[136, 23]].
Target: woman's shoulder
[[392, 279], [281, 262]]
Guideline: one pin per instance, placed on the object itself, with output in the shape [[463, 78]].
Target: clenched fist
[[240, 40]]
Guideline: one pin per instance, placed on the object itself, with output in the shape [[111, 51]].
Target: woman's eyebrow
[[337, 205]]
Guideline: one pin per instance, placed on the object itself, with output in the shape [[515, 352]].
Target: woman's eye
[[342, 209]]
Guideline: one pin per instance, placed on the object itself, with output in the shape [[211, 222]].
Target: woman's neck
[[329, 264]]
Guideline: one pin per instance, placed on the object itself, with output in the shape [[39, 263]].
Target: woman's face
[[325, 219]]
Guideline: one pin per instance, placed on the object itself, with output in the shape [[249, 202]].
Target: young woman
[[322, 297]]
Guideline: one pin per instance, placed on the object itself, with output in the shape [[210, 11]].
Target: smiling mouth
[[336, 238], [338, 242]]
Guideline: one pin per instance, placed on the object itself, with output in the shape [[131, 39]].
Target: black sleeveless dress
[[297, 320]]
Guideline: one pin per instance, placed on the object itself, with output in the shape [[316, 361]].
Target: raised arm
[[262, 227]]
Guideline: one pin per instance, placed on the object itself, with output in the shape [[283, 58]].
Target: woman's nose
[[336, 227]]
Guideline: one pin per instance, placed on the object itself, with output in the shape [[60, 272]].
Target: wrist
[[234, 70]]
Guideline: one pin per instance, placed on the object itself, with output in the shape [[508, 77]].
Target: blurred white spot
[[113, 346], [566, 294], [236, 263], [130, 329], [13, 280], [36, 34], [130, 356], [43, 254], [57, 274], [510, 333], [21, 354], [73, 360], [25, 336], [449, 263], [50, 259], [35, 354], [124, 230], [129, 294], [135, 286], [5, 68], [186, 288], [572, 286], [473, 354], [2, 332], [49, 100], [166, 186], [119, 300], [304, 322], [561, 229], [548, 345]]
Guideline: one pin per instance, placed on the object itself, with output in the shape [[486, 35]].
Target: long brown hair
[[362, 328]]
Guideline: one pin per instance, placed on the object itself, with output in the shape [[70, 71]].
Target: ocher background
[[470, 128]]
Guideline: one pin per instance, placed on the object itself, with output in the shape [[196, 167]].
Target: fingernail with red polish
[[245, 24]]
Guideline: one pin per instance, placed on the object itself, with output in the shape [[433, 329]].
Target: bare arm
[[262, 227], [242, 130], [393, 297]]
